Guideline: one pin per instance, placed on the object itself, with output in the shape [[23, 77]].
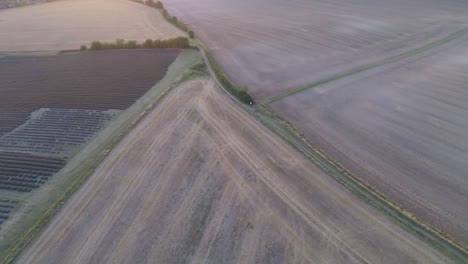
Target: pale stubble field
[[199, 180]]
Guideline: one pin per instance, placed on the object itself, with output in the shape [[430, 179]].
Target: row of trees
[[241, 93], [179, 43], [171, 19]]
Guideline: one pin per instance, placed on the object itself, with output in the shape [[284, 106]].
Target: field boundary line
[[392, 59]]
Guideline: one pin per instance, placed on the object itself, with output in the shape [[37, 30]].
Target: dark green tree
[[96, 45], [159, 5], [132, 44], [191, 34], [148, 43]]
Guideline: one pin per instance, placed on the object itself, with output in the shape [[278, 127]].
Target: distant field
[[98, 80], [402, 127], [200, 181], [276, 45], [70, 23]]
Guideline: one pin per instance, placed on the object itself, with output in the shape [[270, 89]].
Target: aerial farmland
[[273, 46], [219, 131], [210, 184], [54, 103], [402, 127], [63, 25], [378, 86]]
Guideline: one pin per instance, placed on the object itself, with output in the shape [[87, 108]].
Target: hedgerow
[[179, 43]]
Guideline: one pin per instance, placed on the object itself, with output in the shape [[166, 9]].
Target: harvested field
[[98, 80], [402, 128], [275, 45], [68, 24], [199, 180]]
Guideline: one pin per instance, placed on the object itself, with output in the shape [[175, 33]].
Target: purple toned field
[[402, 128], [275, 45], [92, 80]]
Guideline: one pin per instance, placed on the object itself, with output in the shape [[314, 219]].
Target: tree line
[[171, 19], [242, 93], [177, 43]]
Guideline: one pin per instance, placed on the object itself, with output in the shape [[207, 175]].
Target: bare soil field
[[199, 180], [102, 80], [68, 24], [275, 45], [402, 128]]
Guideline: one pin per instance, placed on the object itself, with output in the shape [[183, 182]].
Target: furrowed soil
[[111, 79], [200, 180], [68, 24], [402, 128], [34, 209], [274, 46]]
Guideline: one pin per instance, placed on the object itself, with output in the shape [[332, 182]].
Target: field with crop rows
[[53, 105], [24, 172], [201, 181], [56, 132], [6, 208], [275, 45], [68, 24], [402, 127], [94, 80]]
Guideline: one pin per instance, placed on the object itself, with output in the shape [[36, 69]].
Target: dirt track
[[71, 23], [199, 180]]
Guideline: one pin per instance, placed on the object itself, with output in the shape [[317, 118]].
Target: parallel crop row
[[6, 207], [24, 172], [56, 131], [102, 80]]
